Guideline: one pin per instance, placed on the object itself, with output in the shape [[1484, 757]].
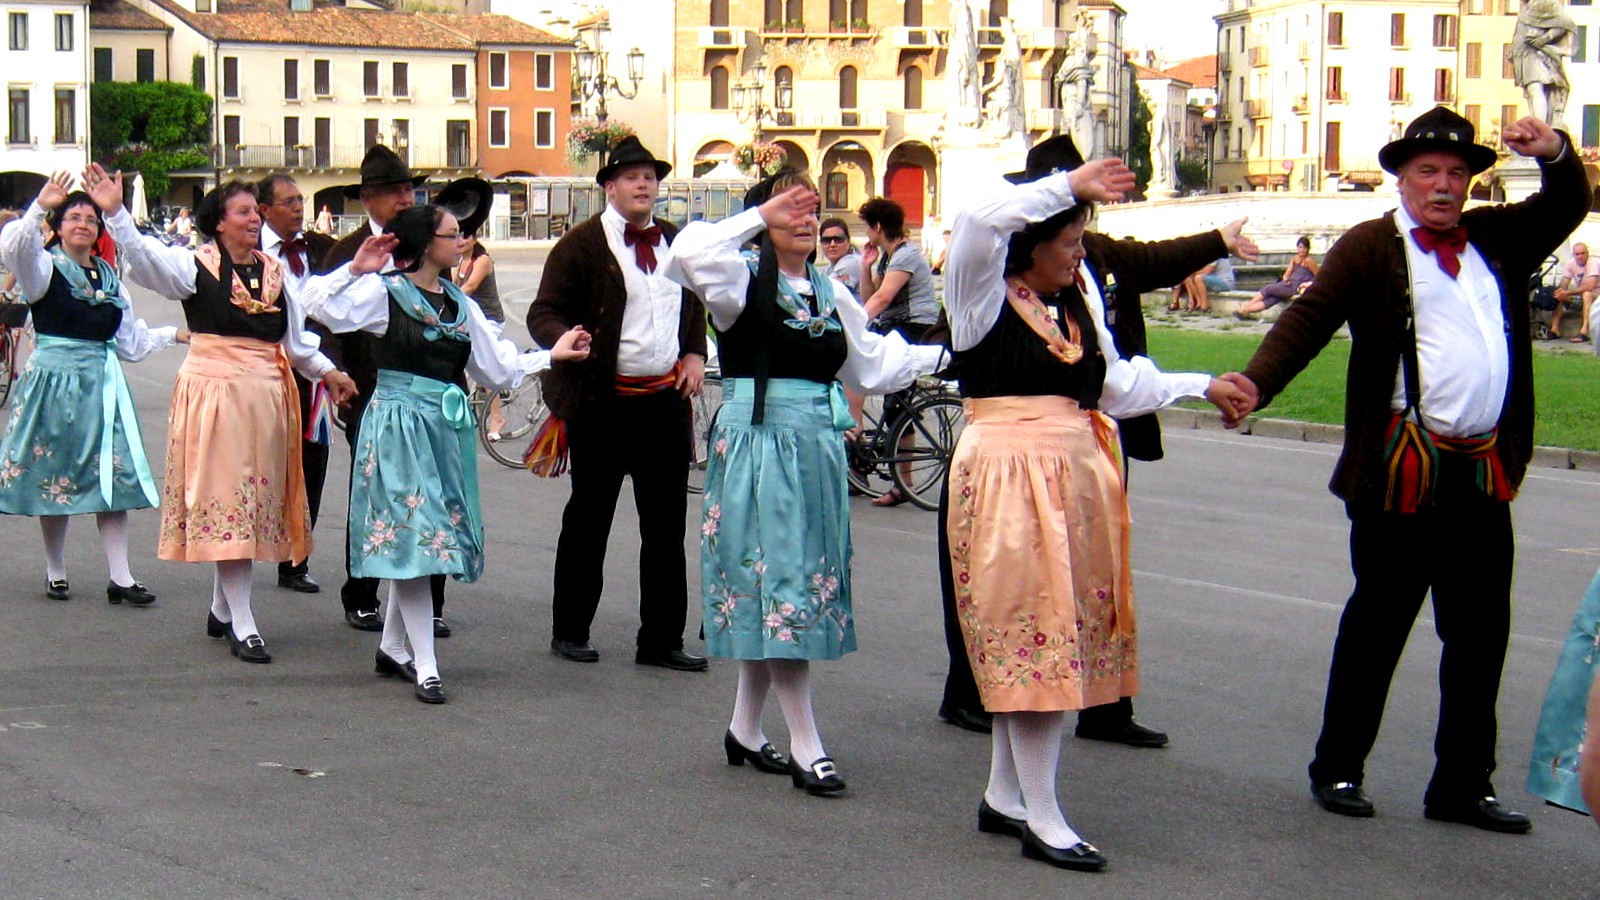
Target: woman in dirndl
[[234, 490], [775, 528], [414, 510], [1553, 769], [1037, 514], [72, 445]]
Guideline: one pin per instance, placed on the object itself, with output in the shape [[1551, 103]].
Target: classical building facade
[[46, 73], [127, 44]]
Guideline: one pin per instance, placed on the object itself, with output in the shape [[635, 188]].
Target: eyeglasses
[[453, 236], [290, 202], [834, 239], [80, 220]]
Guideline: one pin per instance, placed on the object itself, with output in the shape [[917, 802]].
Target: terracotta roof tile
[[493, 29], [266, 22], [1200, 71], [116, 14]]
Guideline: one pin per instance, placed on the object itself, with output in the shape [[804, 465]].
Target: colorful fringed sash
[[1411, 458], [547, 455]]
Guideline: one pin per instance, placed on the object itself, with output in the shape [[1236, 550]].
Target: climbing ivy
[[150, 127]]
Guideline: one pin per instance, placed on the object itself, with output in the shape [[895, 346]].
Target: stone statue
[[961, 74], [1074, 82], [1161, 170], [1003, 112], [1545, 37]]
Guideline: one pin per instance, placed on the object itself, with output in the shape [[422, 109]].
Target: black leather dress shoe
[[1343, 797], [134, 594], [441, 629], [252, 649], [57, 589], [766, 759], [431, 690], [363, 619], [1132, 734], [215, 627], [978, 720], [389, 667], [300, 582], [1482, 812], [1082, 856], [671, 659], [574, 651], [819, 780], [992, 821]]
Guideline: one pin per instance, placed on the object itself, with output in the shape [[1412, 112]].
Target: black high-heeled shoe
[[992, 821], [1082, 856], [766, 759], [389, 667], [134, 594], [56, 589], [819, 779], [215, 627], [250, 649], [431, 690]]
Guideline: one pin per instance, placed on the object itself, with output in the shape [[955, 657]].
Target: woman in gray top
[[896, 280]]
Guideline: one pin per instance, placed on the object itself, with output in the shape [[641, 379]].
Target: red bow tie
[[1444, 243], [643, 241], [294, 250]]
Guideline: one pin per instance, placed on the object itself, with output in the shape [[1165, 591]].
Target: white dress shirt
[[1462, 358], [272, 245], [649, 341]]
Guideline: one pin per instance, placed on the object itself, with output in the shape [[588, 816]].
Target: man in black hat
[[1438, 434], [625, 409]]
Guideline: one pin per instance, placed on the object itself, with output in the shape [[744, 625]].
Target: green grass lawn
[[1566, 385]]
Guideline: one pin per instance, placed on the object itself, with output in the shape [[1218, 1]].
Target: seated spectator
[[1196, 289], [1580, 279], [1297, 277], [844, 263], [181, 228]]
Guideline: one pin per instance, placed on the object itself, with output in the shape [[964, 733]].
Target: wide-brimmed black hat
[[1437, 129], [629, 152], [469, 200], [382, 166], [1057, 154]]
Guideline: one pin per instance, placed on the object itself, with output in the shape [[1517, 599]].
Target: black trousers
[[1461, 548], [647, 438], [960, 687], [314, 462], [361, 594]]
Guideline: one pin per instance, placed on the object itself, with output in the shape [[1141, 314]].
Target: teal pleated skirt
[[414, 493], [775, 526], [1553, 770], [70, 399]]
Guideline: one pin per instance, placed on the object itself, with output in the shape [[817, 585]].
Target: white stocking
[[1004, 794], [55, 547], [219, 603], [791, 681], [114, 538], [394, 631], [754, 682], [233, 576], [1036, 750], [413, 601]]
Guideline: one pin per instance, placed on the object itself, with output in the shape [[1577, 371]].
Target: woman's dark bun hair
[[1019, 253], [208, 215], [415, 227], [74, 200], [1304, 241]]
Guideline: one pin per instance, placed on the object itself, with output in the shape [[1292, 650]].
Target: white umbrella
[[140, 206]]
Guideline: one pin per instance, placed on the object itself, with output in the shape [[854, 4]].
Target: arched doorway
[[711, 153], [797, 158], [17, 189], [847, 176], [910, 180]]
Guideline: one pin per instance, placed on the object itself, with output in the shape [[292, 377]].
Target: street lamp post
[[594, 77], [749, 98]]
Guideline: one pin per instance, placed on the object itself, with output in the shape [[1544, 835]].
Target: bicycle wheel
[[705, 409], [924, 440], [865, 462], [8, 363], [524, 411]]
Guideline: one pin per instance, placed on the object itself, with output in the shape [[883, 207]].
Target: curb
[[1180, 419]]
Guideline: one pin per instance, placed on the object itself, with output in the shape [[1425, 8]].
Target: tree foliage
[[152, 128], [1138, 132], [1192, 174]]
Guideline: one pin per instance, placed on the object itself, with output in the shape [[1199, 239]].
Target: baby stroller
[[1542, 299]]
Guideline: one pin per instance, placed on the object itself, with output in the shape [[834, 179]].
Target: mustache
[[1441, 197]]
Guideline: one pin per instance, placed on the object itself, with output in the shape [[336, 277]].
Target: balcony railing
[[1043, 38], [1045, 119], [272, 156], [1255, 109], [818, 119], [908, 38], [1305, 51], [1302, 104], [723, 38], [1260, 57]]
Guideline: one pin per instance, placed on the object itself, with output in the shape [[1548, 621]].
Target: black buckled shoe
[[977, 720], [574, 651], [1081, 857], [1479, 812], [992, 821], [1345, 798], [767, 759], [134, 594], [299, 582], [389, 667], [363, 619], [677, 660], [251, 649], [56, 589], [441, 628], [431, 690], [215, 627], [820, 779], [1131, 735]]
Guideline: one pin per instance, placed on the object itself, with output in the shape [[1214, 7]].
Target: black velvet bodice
[[790, 352], [404, 347], [211, 309], [60, 314], [1013, 361]]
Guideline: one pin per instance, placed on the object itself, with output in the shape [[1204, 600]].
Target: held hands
[[1103, 180], [1532, 136], [1235, 396], [790, 208], [105, 189], [182, 336], [341, 388], [54, 191], [691, 375], [573, 346], [373, 254], [1238, 243]]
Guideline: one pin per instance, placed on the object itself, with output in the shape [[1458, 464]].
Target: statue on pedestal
[[1003, 112], [1074, 81], [1545, 36], [962, 78]]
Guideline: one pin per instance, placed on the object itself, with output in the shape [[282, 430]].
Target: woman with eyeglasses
[[72, 445], [844, 263], [235, 489], [414, 509]]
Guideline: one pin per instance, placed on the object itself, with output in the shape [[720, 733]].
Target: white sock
[[754, 682], [393, 642], [1004, 794], [219, 603], [114, 538], [412, 600], [54, 529], [1036, 751], [234, 577], [791, 681]]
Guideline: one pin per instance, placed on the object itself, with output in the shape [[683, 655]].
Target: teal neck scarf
[[800, 316], [415, 304], [110, 289]]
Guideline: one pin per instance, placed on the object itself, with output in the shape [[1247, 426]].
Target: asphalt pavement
[[138, 759]]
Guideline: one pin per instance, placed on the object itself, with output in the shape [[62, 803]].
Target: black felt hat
[[1058, 154], [630, 152], [382, 166], [1437, 129], [469, 200]]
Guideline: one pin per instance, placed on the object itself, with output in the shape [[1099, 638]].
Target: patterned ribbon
[[1411, 458], [319, 418], [110, 290], [457, 409], [415, 304], [115, 401]]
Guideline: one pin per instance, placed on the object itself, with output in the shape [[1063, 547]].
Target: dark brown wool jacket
[[582, 285], [1364, 282]]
